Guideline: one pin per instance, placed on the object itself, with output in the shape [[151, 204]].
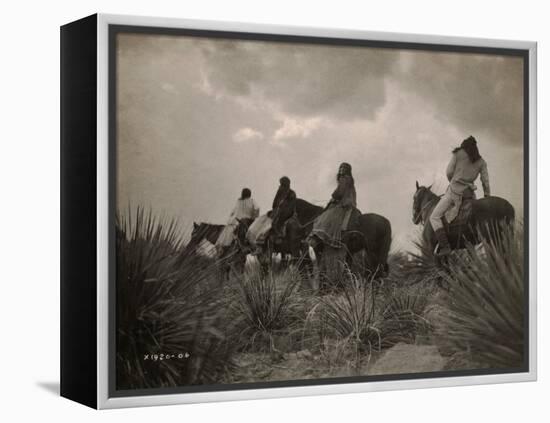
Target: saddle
[[351, 220], [464, 212], [280, 235]]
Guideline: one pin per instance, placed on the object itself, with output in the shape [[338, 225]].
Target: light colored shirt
[[462, 173], [244, 209]]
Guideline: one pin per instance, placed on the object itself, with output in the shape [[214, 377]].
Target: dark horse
[[488, 215], [371, 236], [296, 230]]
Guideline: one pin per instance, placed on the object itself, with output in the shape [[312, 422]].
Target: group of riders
[[465, 166]]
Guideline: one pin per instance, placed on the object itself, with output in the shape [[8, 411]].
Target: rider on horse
[[245, 211], [284, 206], [465, 166], [335, 219]]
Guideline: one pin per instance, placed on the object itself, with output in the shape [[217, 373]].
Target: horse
[[296, 231], [230, 257], [204, 231], [371, 235], [240, 248], [375, 240], [291, 245], [487, 219]]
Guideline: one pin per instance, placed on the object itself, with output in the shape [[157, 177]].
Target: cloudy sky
[[199, 119]]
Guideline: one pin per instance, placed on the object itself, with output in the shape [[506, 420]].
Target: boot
[[444, 247]]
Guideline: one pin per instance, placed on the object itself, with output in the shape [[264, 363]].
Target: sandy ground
[[401, 358]]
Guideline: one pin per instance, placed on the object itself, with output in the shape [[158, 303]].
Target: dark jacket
[[284, 205]]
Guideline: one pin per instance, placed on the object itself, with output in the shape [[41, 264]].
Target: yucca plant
[[402, 315], [168, 317], [486, 302], [265, 304], [351, 314], [419, 267]]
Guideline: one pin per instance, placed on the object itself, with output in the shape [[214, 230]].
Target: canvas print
[[293, 210]]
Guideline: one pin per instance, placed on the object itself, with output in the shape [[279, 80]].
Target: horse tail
[[511, 217], [385, 247]]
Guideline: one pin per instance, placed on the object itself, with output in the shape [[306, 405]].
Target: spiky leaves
[[486, 302], [264, 305], [166, 307]]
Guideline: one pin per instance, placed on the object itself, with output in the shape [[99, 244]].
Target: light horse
[[204, 232], [488, 218], [232, 257]]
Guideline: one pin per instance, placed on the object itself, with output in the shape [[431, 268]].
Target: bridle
[[419, 217]]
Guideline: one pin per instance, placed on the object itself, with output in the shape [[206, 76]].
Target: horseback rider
[[245, 211], [284, 206], [465, 166], [335, 219]]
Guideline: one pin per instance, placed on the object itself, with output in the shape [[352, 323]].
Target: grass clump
[[403, 315], [348, 323], [265, 305]]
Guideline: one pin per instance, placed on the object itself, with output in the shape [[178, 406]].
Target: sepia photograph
[[299, 210]]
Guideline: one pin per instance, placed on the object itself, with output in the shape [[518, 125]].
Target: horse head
[[422, 197], [204, 231]]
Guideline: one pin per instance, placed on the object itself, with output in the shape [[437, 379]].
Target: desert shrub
[[265, 304], [168, 318], [418, 267], [486, 302], [342, 357], [351, 314], [402, 315]]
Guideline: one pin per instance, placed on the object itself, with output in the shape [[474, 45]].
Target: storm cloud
[[480, 93], [198, 119], [302, 80]]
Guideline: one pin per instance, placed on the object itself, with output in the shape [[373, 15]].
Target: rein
[[423, 208], [305, 225]]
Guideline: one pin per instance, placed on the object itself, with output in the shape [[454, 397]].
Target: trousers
[[449, 199]]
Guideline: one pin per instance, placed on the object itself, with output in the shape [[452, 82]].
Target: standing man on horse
[[244, 212], [335, 219], [465, 166]]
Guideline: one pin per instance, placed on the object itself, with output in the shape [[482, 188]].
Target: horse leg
[[265, 258], [319, 282], [224, 270], [285, 261], [332, 264], [305, 262], [241, 263]]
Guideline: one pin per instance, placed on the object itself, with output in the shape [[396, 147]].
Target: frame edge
[[106, 402]]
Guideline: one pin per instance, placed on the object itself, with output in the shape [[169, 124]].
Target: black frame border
[[78, 211], [115, 29]]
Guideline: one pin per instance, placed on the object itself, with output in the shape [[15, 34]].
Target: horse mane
[[428, 191], [306, 211]]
